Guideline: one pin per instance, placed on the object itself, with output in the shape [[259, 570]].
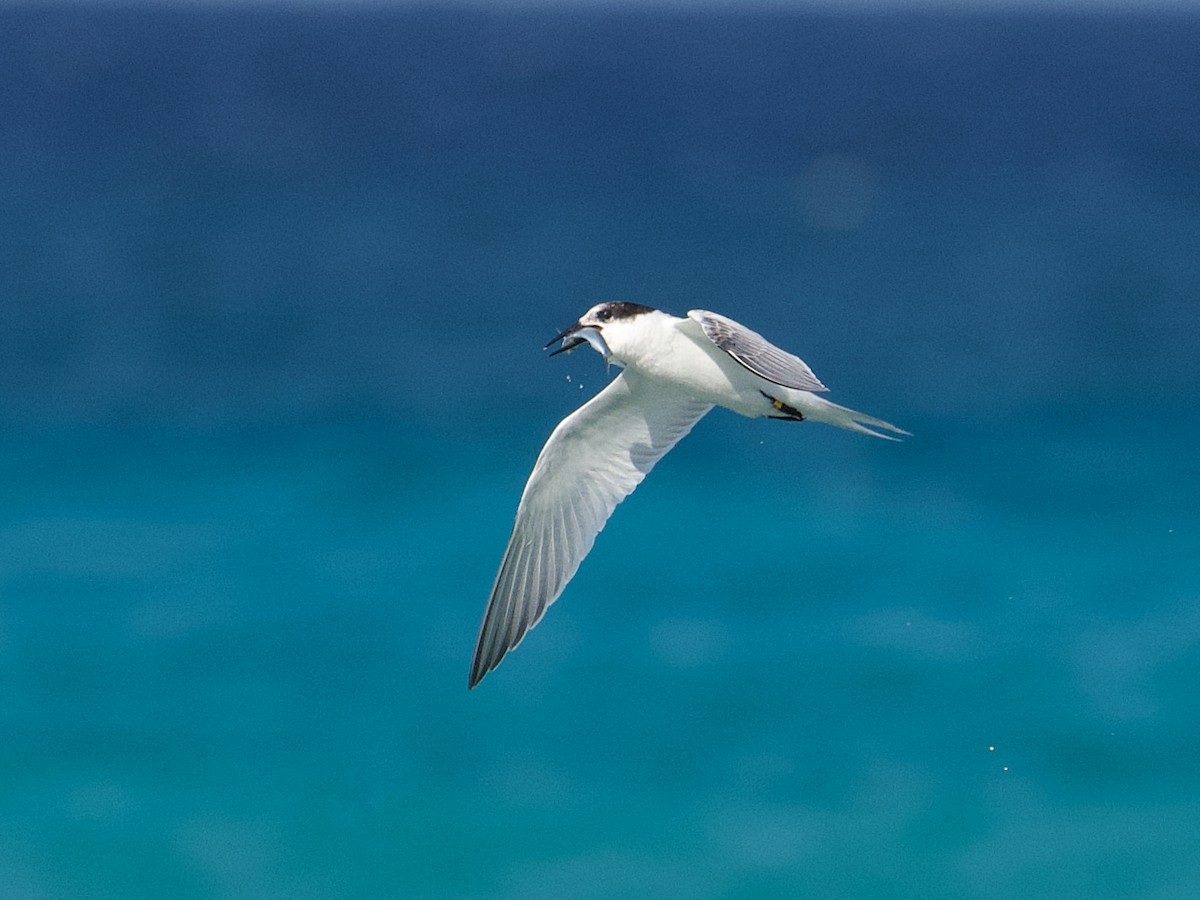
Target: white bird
[[675, 371]]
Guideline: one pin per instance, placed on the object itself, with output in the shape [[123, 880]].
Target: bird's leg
[[789, 412]]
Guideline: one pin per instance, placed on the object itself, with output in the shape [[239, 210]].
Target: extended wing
[[756, 353], [592, 461]]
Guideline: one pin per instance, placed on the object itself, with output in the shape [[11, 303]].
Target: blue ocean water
[[273, 285]]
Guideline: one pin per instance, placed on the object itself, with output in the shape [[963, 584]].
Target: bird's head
[[607, 327]]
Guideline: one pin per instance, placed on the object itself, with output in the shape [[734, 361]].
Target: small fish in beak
[[579, 334]]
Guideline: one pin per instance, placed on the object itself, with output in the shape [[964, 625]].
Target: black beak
[[567, 346]]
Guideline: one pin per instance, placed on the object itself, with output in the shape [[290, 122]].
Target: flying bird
[[674, 370]]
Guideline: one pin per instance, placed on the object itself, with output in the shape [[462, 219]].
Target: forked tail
[[844, 417]]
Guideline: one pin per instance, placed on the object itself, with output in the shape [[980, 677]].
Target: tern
[[674, 370]]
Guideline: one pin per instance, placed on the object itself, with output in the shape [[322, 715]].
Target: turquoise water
[[275, 287], [235, 665]]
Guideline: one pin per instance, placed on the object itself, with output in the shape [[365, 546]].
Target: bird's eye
[[604, 315]]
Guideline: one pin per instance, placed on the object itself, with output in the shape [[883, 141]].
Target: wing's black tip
[[476, 675]]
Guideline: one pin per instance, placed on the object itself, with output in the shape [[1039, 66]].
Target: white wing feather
[[592, 461]]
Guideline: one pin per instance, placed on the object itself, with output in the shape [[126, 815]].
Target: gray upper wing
[[592, 461], [756, 353]]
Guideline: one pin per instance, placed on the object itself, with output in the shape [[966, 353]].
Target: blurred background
[[274, 281]]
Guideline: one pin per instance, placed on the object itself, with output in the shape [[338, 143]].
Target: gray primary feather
[[756, 353], [592, 461]]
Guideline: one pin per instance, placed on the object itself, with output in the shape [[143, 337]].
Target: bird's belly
[[713, 377]]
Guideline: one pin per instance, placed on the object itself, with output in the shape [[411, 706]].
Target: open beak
[[570, 340], [579, 334]]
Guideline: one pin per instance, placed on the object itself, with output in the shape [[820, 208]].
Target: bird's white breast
[[677, 353]]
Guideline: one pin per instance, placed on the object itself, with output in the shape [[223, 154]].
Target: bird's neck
[[642, 349]]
